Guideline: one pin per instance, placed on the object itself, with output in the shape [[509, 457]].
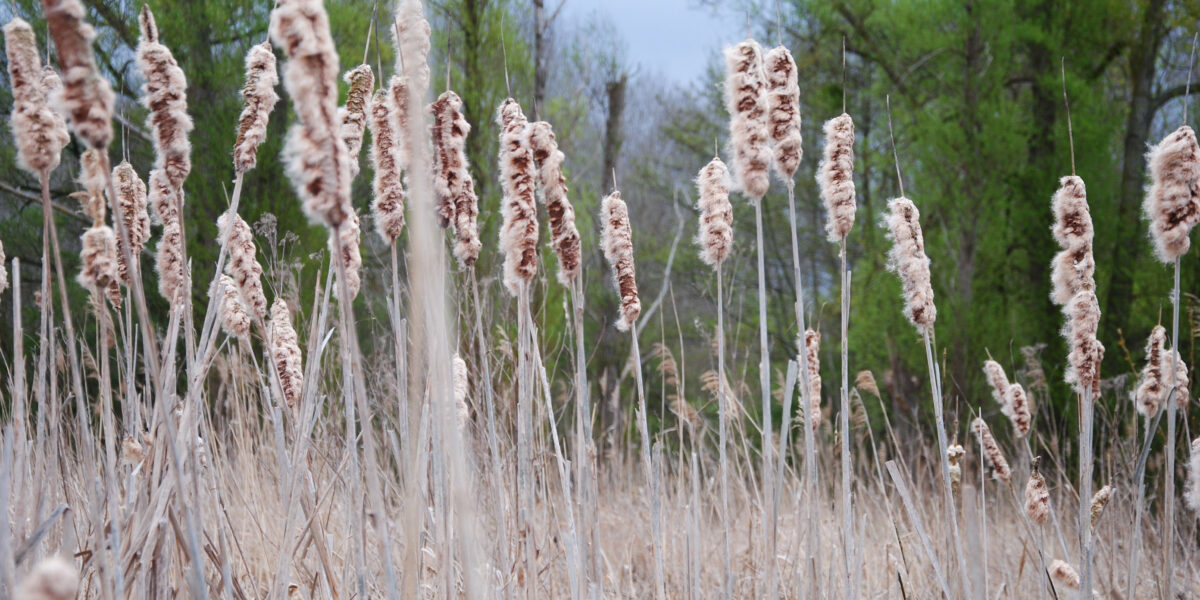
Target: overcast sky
[[670, 37]]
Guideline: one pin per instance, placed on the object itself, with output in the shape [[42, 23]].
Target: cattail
[[991, 449], [954, 454], [318, 162], [457, 202], [1148, 395], [398, 91], [3, 269], [908, 260], [130, 192], [98, 258], [412, 36], [783, 102], [353, 115], [347, 242], [997, 379], [1173, 200], [168, 261], [1018, 410], [165, 201], [716, 214], [285, 353], [812, 346], [1037, 498], [746, 101], [1086, 352], [85, 96], [388, 204], [93, 177], [165, 94], [1073, 268], [460, 391], [40, 132], [1099, 501], [1191, 493], [617, 241], [234, 319], [243, 265], [865, 382], [564, 237], [519, 231], [53, 578], [260, 98], [1064, 574], [835, 176]]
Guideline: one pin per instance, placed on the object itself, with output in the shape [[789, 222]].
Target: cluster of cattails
[[617, 240], [1074, 285], [1014, 402], [387, 207], [40, 132], [85, 97], [458, 206], [1191, 493], [835, 177], [353, 115], [243, 266], [1159, 378], [564, 236], [519, 230], [259, 97], [812, 346], [1037, 497], [1064, 574], [130, 193], [285, 353], [53, 578], [783, 106], [991, 450], [715, 237], [746, 101], [1172, 202], [908, 260], [1099, 501]]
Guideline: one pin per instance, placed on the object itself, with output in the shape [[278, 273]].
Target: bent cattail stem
[[172, 279], [1037, 498], [1073, 268], [85, 97], [130, 192], [285, 353], [835, 177], [387, 207], [716, 213], [353, 115], [348, 240], [617, 241], [812, 345], [243, 266], [234, 319], [991, 450], [259, 97], [1099, 501], [519, 231], [908, 260], [564, 236], [783, 102], [746, 101], [1064, 574], [1172, 201], [954, 454], [40, 133], [165, 95], [318, 162], [1191, 493], [53, 578]]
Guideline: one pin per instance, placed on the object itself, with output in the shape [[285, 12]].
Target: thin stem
[[497, 474], [892, 136], [723, 417], [525, 502], [764, 377], [847, 505], [1169, 513], [651, 474], [947, 495], [1067, 105]]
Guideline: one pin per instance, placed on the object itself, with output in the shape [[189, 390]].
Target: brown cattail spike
[[812, 345], [519, 231], [347, 241], [783, 103], [243, 266], [835, 177], [715, 237], [131, 194], [1073, 268], [564, 237], [285, 353], [85, 97], [1099, 501], [165, 95], [617, 241], [3, 270], [40, 133], [908, 260], [991, 450], [746, 101], [259, 97], [387, 207], [98, 257], [1172, 202], [1155, 383], [1064, 574], [234, 319], [1037, 499], [353, 115]]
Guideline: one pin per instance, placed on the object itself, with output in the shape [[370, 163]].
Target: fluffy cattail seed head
[[40, 132], [1158, 378], [387, 207], [347, 241], [285, 353], [259, 97], [130, 192], [243, 266], [1073, 268], [1018, 410], [716, 213], [908, 260], [519, 231], [354, 113], [457, 203], [165, 95], [412, 37], [746, 101], [1173, 199], [85, 96], [234, 319], [1191, 493], [173, 282], [93, 176], [1099, 501], [835, 177], [1064, 574], [1037, 499], [617, 240], [564, 236], [461, 386], [997, 380], [954, 454], [812, 348], [98, 258], [783, 104], [53, 578], [991, 450], [1086, 351]]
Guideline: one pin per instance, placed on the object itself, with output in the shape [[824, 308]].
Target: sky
[[673, 38]]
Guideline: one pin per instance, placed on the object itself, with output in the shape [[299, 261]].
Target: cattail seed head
[[243, 266], [259, 97], [865, 382], [354, 113], [835, 177], [1099, 501], [53, 578], [165, 95], [1037, 499], [93, 177], [1018, 410], [412, 37], [1064, 574], [1086, 351], [40, 133], [954, 454], [564, 236], [130, 192], [908, 260], [1191, 493], [85, 96], [746, 101], [519, 230], [1072, 269], [165, 201], [812, 348], [347, 241], [461, 386], [1151, 388], [991, 450], [997, 380], [285, 353], [98, 258], [783, 105], [716, 213], [387, 207], [1172, 202], [234, 319], [457, 203], [173, 282], [617, 240], [318, 162]]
